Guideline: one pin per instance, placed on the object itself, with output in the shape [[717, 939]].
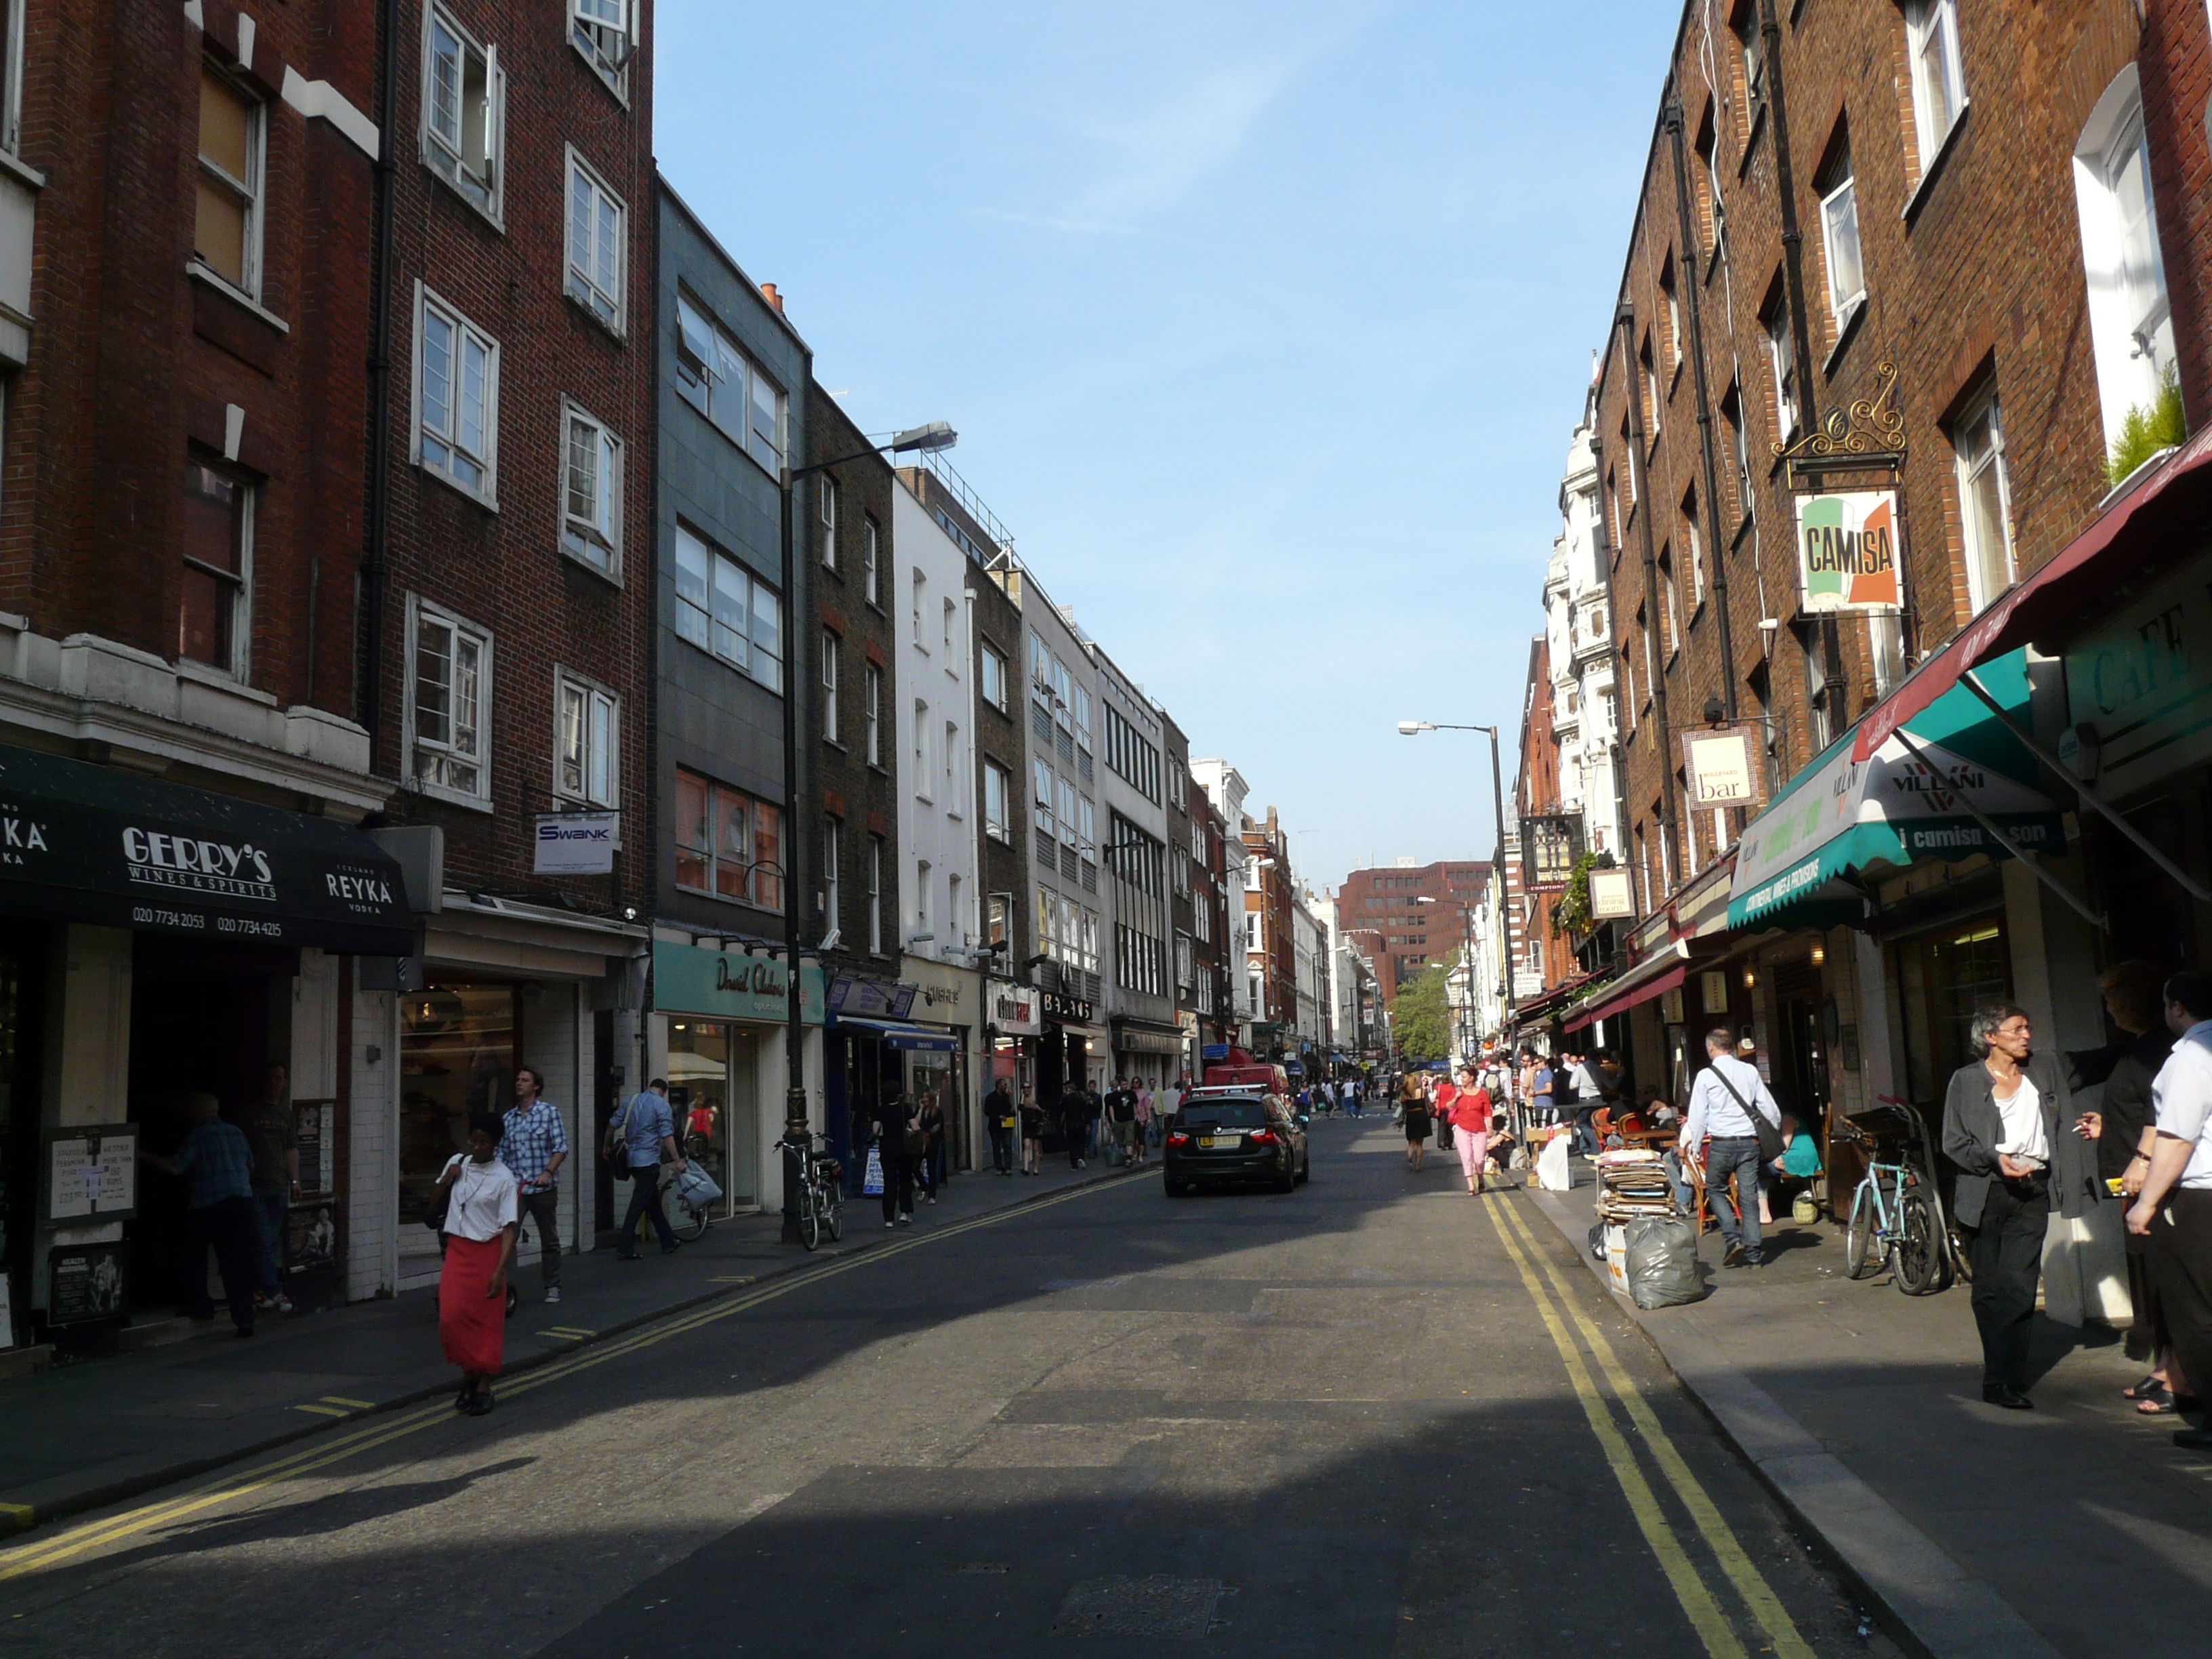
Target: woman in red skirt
[[479, 1239]]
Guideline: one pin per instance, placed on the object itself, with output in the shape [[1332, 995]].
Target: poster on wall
[[316, 1122], [93, 1172], [84, 1282], [1847, 551], [310, 1238]]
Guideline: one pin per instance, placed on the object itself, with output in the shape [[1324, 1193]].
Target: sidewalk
[[85, 1435], [2073, 1529]]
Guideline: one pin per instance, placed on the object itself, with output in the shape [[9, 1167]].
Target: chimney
[[768, 290]]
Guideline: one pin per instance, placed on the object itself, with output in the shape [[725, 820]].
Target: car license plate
[[1206, 1141]]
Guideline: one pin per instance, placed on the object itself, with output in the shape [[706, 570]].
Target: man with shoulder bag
[[1730, 1103], [642, 1133]]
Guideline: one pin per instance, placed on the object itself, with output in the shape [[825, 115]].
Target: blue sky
[[1264, 326]]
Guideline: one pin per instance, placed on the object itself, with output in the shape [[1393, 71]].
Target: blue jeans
[[1737, 1155], [1685, 1190], [268, 1206]]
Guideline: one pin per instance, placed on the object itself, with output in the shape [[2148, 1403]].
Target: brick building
[[507, 595], [1189, 893], [186, 204], [1382, 911], [1270, 946], [1902, 264]]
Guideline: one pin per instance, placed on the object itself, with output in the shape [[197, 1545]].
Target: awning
[[1146, 1043], [80, 842], [1557, 996], [1655, 975], [2161, 520], [896, 1033], [1901, 802]]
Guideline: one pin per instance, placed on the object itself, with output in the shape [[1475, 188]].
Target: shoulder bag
[[1770, 1134], [617, 1142], [441, 1203]]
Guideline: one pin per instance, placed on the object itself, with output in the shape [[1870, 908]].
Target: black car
[[1235, 1135]]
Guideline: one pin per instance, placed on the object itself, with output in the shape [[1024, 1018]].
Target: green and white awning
[[1842, 815]]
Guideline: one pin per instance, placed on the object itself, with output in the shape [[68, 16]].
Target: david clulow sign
[[689, 979], [81, 842], [1847, 551]]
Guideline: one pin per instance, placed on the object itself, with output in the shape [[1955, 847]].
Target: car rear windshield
[[1222, 1115]]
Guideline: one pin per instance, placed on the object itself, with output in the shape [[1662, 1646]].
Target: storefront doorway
[[458, 1043], [713, 1073], [1942, 976]]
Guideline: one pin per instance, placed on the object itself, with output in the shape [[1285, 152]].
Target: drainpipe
[[369, 693], [1800, 328], [1624, 318]]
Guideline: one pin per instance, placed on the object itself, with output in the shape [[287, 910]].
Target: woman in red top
[[1470, 1108]]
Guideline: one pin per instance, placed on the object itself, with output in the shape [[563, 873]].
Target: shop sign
[[1847, 551], [1059, 1006], [689, 979], [1720, 766], [93, 843], [574, 843], [1527, 987], [870, 999], [942, 996], [92, 1174], [1014, 1009], [84, 1282], [1549, 847], [1611, 895], [2139, 690]]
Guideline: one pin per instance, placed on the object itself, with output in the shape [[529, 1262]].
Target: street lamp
[[798, 1134], [1414, 729]]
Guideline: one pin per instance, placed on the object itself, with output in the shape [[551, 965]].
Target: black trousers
[[645, 1201], [1002, 1150], [2181, 1257], [230, 1225], [2007, 1254], [898, 1183]]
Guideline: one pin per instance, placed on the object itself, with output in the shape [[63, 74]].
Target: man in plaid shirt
[[534, 1144], [217, 1167]]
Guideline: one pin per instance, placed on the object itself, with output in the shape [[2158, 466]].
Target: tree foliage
[[1421, 1018], [2147, 428]]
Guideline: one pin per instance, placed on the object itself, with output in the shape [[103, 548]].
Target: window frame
[[608, 310], [1783, 368], [1937, 19], [872, 538], [438, 153], [251, 192], [762, 891], [1984, 411], [825, 518], [1842, 307], [607, 48], [428, 300], [833, 848], [875, 894], [574, 530], [11, 76], [734, 374], [997, 821], [832, 651], [420, 610], [593, 697], [995, 672], [686, 607], [871, 684], [240, 664], [2129, 302]]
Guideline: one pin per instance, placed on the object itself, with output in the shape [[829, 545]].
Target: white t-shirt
[[2181, 1095], [483, 1203], [2022, 1135]]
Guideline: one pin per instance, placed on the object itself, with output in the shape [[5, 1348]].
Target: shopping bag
[[699, 1188], [1553, 1173], [873, 1182], [2085, 1268]]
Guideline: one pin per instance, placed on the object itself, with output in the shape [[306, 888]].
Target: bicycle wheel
[[810, 1218], [1859, 1257], [1919, 1247], [831, 1211]]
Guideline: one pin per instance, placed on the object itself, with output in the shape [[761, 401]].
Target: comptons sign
[[1847, 551]]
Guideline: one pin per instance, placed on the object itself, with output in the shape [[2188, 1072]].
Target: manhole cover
[[1156, 1607]]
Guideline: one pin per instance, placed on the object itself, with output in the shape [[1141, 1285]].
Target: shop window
[[728, 844], [457, 1058], [214, 614], [711, 1071], [1942, 978]]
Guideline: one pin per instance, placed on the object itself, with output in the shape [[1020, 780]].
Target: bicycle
[[685, 1221], [821, 1184], [1896, 1218]]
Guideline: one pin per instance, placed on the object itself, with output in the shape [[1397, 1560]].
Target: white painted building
[[1579, 629]]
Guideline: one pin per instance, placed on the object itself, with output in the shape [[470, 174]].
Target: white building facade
[[1579, 629]]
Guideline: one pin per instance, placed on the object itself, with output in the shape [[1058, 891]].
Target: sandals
[[2150, 1388]]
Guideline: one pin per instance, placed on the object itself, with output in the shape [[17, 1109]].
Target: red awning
[[2155, 526], [1537, 1006], [1627, 995]]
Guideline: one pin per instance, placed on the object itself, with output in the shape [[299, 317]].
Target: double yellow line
[[67, 1545], [1698, 1603]]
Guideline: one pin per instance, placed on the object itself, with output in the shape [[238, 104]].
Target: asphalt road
[[1372, 1417]]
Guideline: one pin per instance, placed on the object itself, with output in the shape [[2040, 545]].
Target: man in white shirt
[[1721, 1099], [2174, 1210]]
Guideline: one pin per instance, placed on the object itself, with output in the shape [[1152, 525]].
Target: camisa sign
[[1847, 551]]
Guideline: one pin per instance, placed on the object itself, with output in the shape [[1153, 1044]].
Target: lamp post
[[798, 1132], [1414, 729]]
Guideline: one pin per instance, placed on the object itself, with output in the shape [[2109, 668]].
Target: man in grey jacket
[[1721, 1099]]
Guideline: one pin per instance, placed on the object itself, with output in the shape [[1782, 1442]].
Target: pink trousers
[[1473, 1149]]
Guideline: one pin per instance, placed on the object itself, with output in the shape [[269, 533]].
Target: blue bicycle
[[1897, 1216]]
